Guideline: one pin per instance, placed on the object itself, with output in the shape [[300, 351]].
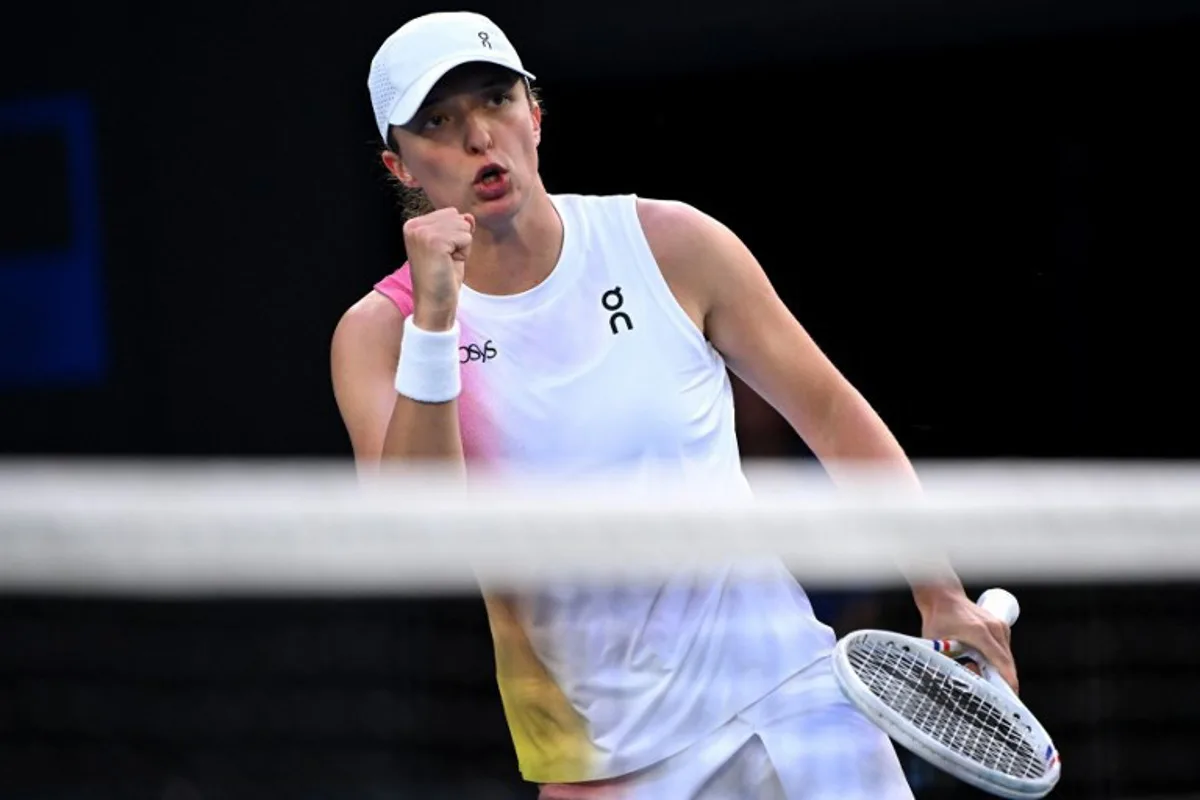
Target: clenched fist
[[437, 245]]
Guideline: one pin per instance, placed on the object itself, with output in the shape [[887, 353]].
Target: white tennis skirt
[[803, 741]]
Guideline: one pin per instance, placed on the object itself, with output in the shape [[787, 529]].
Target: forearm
[[931, 587], [850, 438], [857, 439], [424, 423]]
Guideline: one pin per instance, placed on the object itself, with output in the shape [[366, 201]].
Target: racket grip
[[1001, 604]]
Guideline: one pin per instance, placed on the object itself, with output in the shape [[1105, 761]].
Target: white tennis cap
[[415, 57]]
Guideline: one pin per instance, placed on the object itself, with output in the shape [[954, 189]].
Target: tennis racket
[[972, 726]]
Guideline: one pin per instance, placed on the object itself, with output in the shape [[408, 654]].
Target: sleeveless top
[[599, 370]]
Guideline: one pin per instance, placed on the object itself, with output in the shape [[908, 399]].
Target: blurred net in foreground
[[191, 632]]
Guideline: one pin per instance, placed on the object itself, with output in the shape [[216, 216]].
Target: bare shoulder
[[372, 322], [676, 230], [698, 254]]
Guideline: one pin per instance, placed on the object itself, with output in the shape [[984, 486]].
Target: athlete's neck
[[520, 255]]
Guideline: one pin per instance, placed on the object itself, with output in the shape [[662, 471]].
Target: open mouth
[[489, 175]]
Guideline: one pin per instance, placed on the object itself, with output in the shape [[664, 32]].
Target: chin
[[499, 209]]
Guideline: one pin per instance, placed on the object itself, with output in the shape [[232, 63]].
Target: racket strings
[[943, 707]]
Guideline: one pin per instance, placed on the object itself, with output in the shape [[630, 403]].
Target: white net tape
[[314, 528]]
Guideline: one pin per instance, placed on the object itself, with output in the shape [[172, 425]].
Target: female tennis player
[[592, 334]]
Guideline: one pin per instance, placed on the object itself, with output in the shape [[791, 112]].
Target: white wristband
[[428, 371]]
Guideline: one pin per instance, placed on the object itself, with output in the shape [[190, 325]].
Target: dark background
[[985, 214]]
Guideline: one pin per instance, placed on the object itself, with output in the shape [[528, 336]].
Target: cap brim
[[408, 104]]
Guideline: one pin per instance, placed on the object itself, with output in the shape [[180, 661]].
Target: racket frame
[[903, 732]]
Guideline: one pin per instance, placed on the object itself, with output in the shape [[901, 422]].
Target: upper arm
[[712, 271], [363, 356]]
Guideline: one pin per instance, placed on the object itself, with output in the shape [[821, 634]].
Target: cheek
[[434, 171], [528, 143]]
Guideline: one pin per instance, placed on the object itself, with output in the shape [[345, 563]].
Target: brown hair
[[414, 202]]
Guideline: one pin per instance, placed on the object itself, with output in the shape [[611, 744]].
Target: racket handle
[[1001, 604]]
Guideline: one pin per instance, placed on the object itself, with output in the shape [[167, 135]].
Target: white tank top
[[598, 369]]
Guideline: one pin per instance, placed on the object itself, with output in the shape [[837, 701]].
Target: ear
[[536, 114], [396, 166]]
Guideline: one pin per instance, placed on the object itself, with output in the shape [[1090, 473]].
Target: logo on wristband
[[473, 352]]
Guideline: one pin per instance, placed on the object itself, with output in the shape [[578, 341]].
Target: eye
[[498, 99], [433, 121]]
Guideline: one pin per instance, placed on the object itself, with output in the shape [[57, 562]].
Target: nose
[[477, 137]]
